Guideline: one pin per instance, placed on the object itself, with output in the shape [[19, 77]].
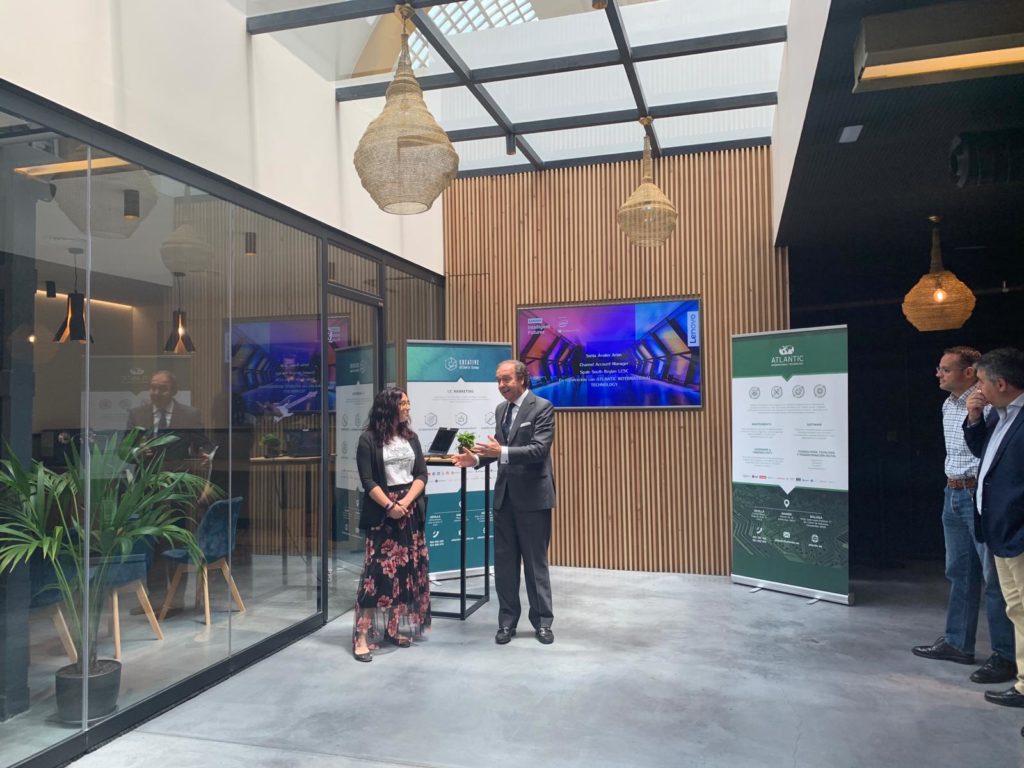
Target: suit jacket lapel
[[527, 403], [1010, 432]]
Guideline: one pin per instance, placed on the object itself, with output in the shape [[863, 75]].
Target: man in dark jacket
[[998, 440], [524, 495]]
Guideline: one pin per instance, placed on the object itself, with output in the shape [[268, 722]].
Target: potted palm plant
[[132, 500]]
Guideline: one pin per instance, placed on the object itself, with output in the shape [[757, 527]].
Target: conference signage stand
[[466, 609]]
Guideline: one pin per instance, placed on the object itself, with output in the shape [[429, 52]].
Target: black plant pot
[[104, 687]]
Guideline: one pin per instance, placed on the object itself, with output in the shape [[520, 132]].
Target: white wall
[[185, 77], [804, 33]]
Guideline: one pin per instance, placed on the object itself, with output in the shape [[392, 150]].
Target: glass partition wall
[[182, 374]]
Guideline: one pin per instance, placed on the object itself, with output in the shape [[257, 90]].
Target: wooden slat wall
[[637, 490]]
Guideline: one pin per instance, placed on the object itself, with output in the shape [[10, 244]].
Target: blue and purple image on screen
[[628, 355], [276, 365]]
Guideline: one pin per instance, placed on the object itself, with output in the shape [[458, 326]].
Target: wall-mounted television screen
[[276, 365], [638, 354]]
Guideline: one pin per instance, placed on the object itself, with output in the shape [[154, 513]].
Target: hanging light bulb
[[73, 326], [179, 341], [404, 160], [939, 301], [648, 217]]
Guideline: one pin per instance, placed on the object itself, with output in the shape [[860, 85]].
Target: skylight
[[470, 16]]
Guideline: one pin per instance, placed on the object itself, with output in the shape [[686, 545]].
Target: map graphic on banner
[[452, 384], [790, 462]]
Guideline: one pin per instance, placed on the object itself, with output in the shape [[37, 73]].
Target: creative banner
[[451, 384], [790, 462]]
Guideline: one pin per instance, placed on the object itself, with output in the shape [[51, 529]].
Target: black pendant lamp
[[73, 326], [179, 342]]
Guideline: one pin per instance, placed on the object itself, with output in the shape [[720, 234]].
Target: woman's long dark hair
[[384, 415]]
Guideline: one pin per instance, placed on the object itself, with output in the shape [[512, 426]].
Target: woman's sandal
[[401, 642], [362, 656]]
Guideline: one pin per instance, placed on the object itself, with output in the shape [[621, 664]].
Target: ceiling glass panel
[[456, 108], [586, 92], [664, 20], [735, 124], [358, 48], [487, 153], [539, 34], [711, 75], [588, 142]]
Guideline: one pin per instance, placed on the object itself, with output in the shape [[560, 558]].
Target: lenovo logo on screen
[[693, 329]]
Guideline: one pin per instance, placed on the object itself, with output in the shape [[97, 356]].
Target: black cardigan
[[370, 463]]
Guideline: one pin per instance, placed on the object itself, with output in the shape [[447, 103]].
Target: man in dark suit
[[524, 494], [165, 414], [998, 440]]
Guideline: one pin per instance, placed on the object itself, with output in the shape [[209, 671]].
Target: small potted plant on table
[[271, 445]]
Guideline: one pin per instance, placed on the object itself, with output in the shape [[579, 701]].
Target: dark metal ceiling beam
[[614, 16], [574, 162], [575, 63], [681, 109], [311, 16], [436, 39]]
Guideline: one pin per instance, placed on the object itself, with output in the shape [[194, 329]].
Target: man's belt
[[961, 482]]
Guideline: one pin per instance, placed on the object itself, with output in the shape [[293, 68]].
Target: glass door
[[353, 363]]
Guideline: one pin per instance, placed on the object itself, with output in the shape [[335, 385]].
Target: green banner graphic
[[790, 462]]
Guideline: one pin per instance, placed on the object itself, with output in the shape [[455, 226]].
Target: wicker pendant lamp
[[648, 217], [404, 159], [940, 301]]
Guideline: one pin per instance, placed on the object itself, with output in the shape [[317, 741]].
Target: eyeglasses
[[944, 369], [405, 403]]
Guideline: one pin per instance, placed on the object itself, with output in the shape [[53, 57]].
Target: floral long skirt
[[393, 597]]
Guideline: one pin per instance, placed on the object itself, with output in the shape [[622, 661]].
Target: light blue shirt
[[1006, 417]]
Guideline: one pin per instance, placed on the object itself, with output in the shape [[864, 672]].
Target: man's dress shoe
[[1011, 697], [545, 635], [943, 651], [995, 670], [504, 635]]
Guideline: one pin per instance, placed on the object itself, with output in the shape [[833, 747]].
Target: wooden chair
[[216, 538]]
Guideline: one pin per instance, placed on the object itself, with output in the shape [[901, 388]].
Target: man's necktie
[[506, 423], [161, 424]]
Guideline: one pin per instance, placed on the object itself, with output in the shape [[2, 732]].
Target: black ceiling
[[860, 210]]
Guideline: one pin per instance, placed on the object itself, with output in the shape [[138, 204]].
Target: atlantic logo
[[787, 357]]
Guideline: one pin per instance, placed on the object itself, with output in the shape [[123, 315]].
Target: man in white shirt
[[998, 440], [969, 564]]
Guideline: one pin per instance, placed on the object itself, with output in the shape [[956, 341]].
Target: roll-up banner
[[452, 385], [354, 392], [790, 462]]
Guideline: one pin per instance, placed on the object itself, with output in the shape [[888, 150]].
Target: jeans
[[969, 567]]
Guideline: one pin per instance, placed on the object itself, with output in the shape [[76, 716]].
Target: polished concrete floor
[[646, 670]]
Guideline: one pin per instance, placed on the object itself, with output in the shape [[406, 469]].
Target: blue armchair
[[216, 538]]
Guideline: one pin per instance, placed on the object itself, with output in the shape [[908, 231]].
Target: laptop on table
[[441, 445]]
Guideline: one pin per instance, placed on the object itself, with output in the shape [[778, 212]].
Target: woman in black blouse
[[393, 598]]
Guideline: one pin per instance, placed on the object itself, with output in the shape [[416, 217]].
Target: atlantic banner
[[452, 385], [790, 462]]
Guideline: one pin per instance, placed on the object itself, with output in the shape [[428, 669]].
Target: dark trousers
[[521, 538]]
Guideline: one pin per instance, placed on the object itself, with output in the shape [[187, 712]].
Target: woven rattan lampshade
[[404, 159], [648, 217], [940, 301]]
